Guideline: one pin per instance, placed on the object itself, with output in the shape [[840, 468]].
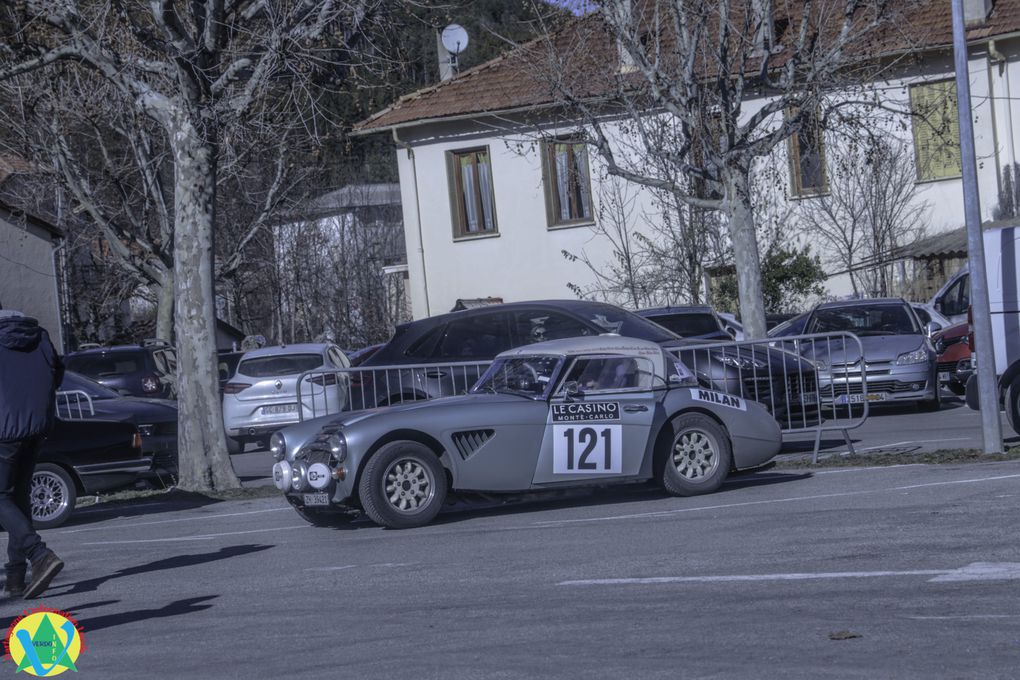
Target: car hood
[[768, 359], [136, 410], [877, 348], [409, 407]]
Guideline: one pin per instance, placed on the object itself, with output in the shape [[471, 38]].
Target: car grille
[[873, 387], [778, 390]]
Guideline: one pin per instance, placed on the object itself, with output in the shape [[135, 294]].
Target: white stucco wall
[[524, 261], [28, 281]]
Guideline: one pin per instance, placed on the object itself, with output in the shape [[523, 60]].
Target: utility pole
[[988, 393]]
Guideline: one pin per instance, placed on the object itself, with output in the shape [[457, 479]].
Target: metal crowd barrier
[[809, 383], [74, 405], [322, 393]]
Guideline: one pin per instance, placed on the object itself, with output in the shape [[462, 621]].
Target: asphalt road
[[901, 572]]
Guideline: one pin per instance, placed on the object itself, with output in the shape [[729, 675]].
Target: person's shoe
[[14, 586], [43, 571]]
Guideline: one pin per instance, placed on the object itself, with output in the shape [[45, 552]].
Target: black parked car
[[83, 457], [145, 370], [156, 419], [478, 335], [690, 321]]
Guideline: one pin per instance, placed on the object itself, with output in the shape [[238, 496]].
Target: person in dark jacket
[[30, 371]]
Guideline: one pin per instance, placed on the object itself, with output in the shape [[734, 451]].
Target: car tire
[[402, 473], [956, 388], [324, 519], [699, 456], [234, 446], [1013, 404], [53, 496]]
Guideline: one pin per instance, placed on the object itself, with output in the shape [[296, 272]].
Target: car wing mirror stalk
[[572, 390]]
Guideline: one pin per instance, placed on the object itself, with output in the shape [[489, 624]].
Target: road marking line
[[977, 571], [200, 537], [341, 568], [965, 617], [722, 506], [171, 521]]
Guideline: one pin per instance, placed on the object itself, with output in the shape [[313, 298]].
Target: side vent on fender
[[469, 442]]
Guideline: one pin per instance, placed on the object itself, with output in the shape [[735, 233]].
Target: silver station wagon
[[589, 411]]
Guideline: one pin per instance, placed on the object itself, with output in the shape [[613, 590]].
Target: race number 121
[[593, 449]]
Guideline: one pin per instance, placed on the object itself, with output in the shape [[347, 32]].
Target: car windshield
[[529, 376], [688, 325], [105, 365], [279, 364], [612, 319], [893, 319], [73, 381]]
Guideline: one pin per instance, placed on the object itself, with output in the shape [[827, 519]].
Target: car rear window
[[688, 325], [280, 364], [73, 381], [105, 365]]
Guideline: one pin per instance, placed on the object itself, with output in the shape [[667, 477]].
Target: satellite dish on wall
[[455, 38]]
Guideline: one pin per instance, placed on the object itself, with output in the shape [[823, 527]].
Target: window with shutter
[[936, 130], [472, 203], [807, 158], [567, 182]]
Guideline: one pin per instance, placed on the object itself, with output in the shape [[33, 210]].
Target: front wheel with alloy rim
[[403, 485], [699, 456], [53, 496]]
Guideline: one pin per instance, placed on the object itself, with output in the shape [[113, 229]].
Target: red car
[[953, 348]]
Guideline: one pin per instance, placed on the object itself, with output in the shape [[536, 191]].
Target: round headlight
[[283, 475], [337, 444], [277, 446], [300, 480]]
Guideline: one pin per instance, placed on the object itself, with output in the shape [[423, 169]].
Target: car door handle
[[635, 408]]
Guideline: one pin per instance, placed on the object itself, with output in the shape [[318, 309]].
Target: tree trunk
[[165, 308], [204, 462], [740, 218]]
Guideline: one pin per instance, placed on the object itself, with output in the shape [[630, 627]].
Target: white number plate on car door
[[587, 449]]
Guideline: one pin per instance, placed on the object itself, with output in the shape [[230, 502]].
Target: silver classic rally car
[[565, 413]]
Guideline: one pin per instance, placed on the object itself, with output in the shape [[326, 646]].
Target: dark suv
[[445, 345], [476, 336], [145, 370]]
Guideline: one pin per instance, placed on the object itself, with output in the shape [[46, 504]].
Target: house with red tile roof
[[492, 199]]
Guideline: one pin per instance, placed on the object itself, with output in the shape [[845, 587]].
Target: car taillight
[[970, 324], [150, 384], [235, 387], [136, 441], [361, 379]]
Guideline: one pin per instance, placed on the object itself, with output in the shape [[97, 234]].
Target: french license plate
[[861, 398], [944, 376], [316, 499], [279, 408]]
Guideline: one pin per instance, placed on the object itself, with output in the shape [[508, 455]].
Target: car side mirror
[[931, 328], [732, 332], [572, 389]]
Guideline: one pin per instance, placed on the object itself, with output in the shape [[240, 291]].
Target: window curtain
[[485, 186], [467, 174], [563, 179]]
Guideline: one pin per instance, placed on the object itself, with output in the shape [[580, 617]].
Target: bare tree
[[870, 210], [707, 90], [206, 73], [658, 256]]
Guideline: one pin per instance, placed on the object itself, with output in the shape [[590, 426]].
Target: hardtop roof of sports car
[[608, 343]]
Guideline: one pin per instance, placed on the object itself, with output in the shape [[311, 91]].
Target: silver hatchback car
[[262, 395]]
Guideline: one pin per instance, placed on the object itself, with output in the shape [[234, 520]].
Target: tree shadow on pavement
[[189, 605], [176, 562]]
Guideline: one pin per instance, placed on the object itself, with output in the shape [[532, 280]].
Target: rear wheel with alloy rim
[[699, 457], [403, 485], [53, 496]]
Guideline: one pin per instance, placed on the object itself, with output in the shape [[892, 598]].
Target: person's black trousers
[[17, 462]]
